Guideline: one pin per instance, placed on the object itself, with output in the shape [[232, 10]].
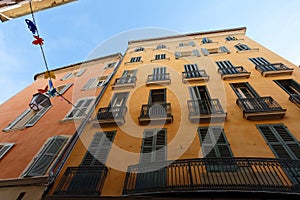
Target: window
[[4, 148], [160, 56], [46, 156], [119, 99], [135, 59], [228, 66], [221, 49], [194, 52], [80, 72], [27, 119], [280, 140], [161, 46], [139, 49], [96, 82], [62, 89], [192, 70], [206, 41], [260, 61], [192, 43], [290, 86], [81, 108], [157, 96], [21, 196], [231, 38], [242, 47], [127, 79], [159, 73], [99, 149], [244, 90], [67, 76], [154, 146], [111, 65]]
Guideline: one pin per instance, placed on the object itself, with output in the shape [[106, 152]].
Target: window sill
[[130, 63], [158, 60], [248, 51]]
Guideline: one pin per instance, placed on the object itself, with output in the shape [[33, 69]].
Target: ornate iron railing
[[111, 113], [233, 70], [82, 181], [198, 107], [272, 67], [214, 174], [259, 104], [194, 74], [156, 111], [158, 77]]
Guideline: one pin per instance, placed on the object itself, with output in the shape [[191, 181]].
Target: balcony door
[[157, 96], [201, 99], [191, 70], [159, 73], [227, 67], [128, 76], [118, 103]]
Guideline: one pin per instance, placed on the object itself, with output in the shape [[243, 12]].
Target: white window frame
[[79, 110]]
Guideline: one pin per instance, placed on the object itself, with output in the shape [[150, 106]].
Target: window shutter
[[195, 52], [192, 43], [4, 148], [224, 49], [88, 84], [37, 117], [48, 154], [181, 44], [177, 55], [62, 91], [160, 143], [280, 140], [108, 78], [205, 51], [68, 75], [80, 72], [11, 125], [98, 150]]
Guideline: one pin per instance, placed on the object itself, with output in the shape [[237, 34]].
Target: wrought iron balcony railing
[[234, 72], [273, 69], [158, 79], [198, 75], [124, 82], [85, 181], [295, 98], [229, 174], [159, 112], [203, 110], [261, 108], [114, 114]]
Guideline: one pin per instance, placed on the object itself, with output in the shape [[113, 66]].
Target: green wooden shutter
[[153, 146], [280, 140], [48, 154], [37, 116], [88, 84], [99, 149]]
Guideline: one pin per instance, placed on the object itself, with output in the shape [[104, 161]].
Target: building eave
[[28, 181]]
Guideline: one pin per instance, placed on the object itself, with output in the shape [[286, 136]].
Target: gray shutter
[[19, 118], [224, 49], [36, 117], [195, 52], [177, 55], [160, 145], [62, 91], [282, 143], [68, 75], [205, 51], [4, 148], [48, 154], [98, 150], [80, 72], [192, 43], [88, 84]]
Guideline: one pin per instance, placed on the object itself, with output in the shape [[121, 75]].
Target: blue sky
[[74, 30]]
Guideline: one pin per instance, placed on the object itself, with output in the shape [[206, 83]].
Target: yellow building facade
[[204, 114]]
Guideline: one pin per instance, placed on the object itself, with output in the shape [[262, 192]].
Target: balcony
[[158, 79], [124, 82], [234, 72], [206, 111], [295, 98], [261, 108], [156, 113], [111, 115], [79, 181], [259, 175], [198, 75], [274, 69]]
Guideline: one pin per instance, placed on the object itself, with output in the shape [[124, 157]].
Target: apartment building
[[209, 115], [38, 123]]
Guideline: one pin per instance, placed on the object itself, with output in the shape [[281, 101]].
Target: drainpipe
[[61, 160]]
